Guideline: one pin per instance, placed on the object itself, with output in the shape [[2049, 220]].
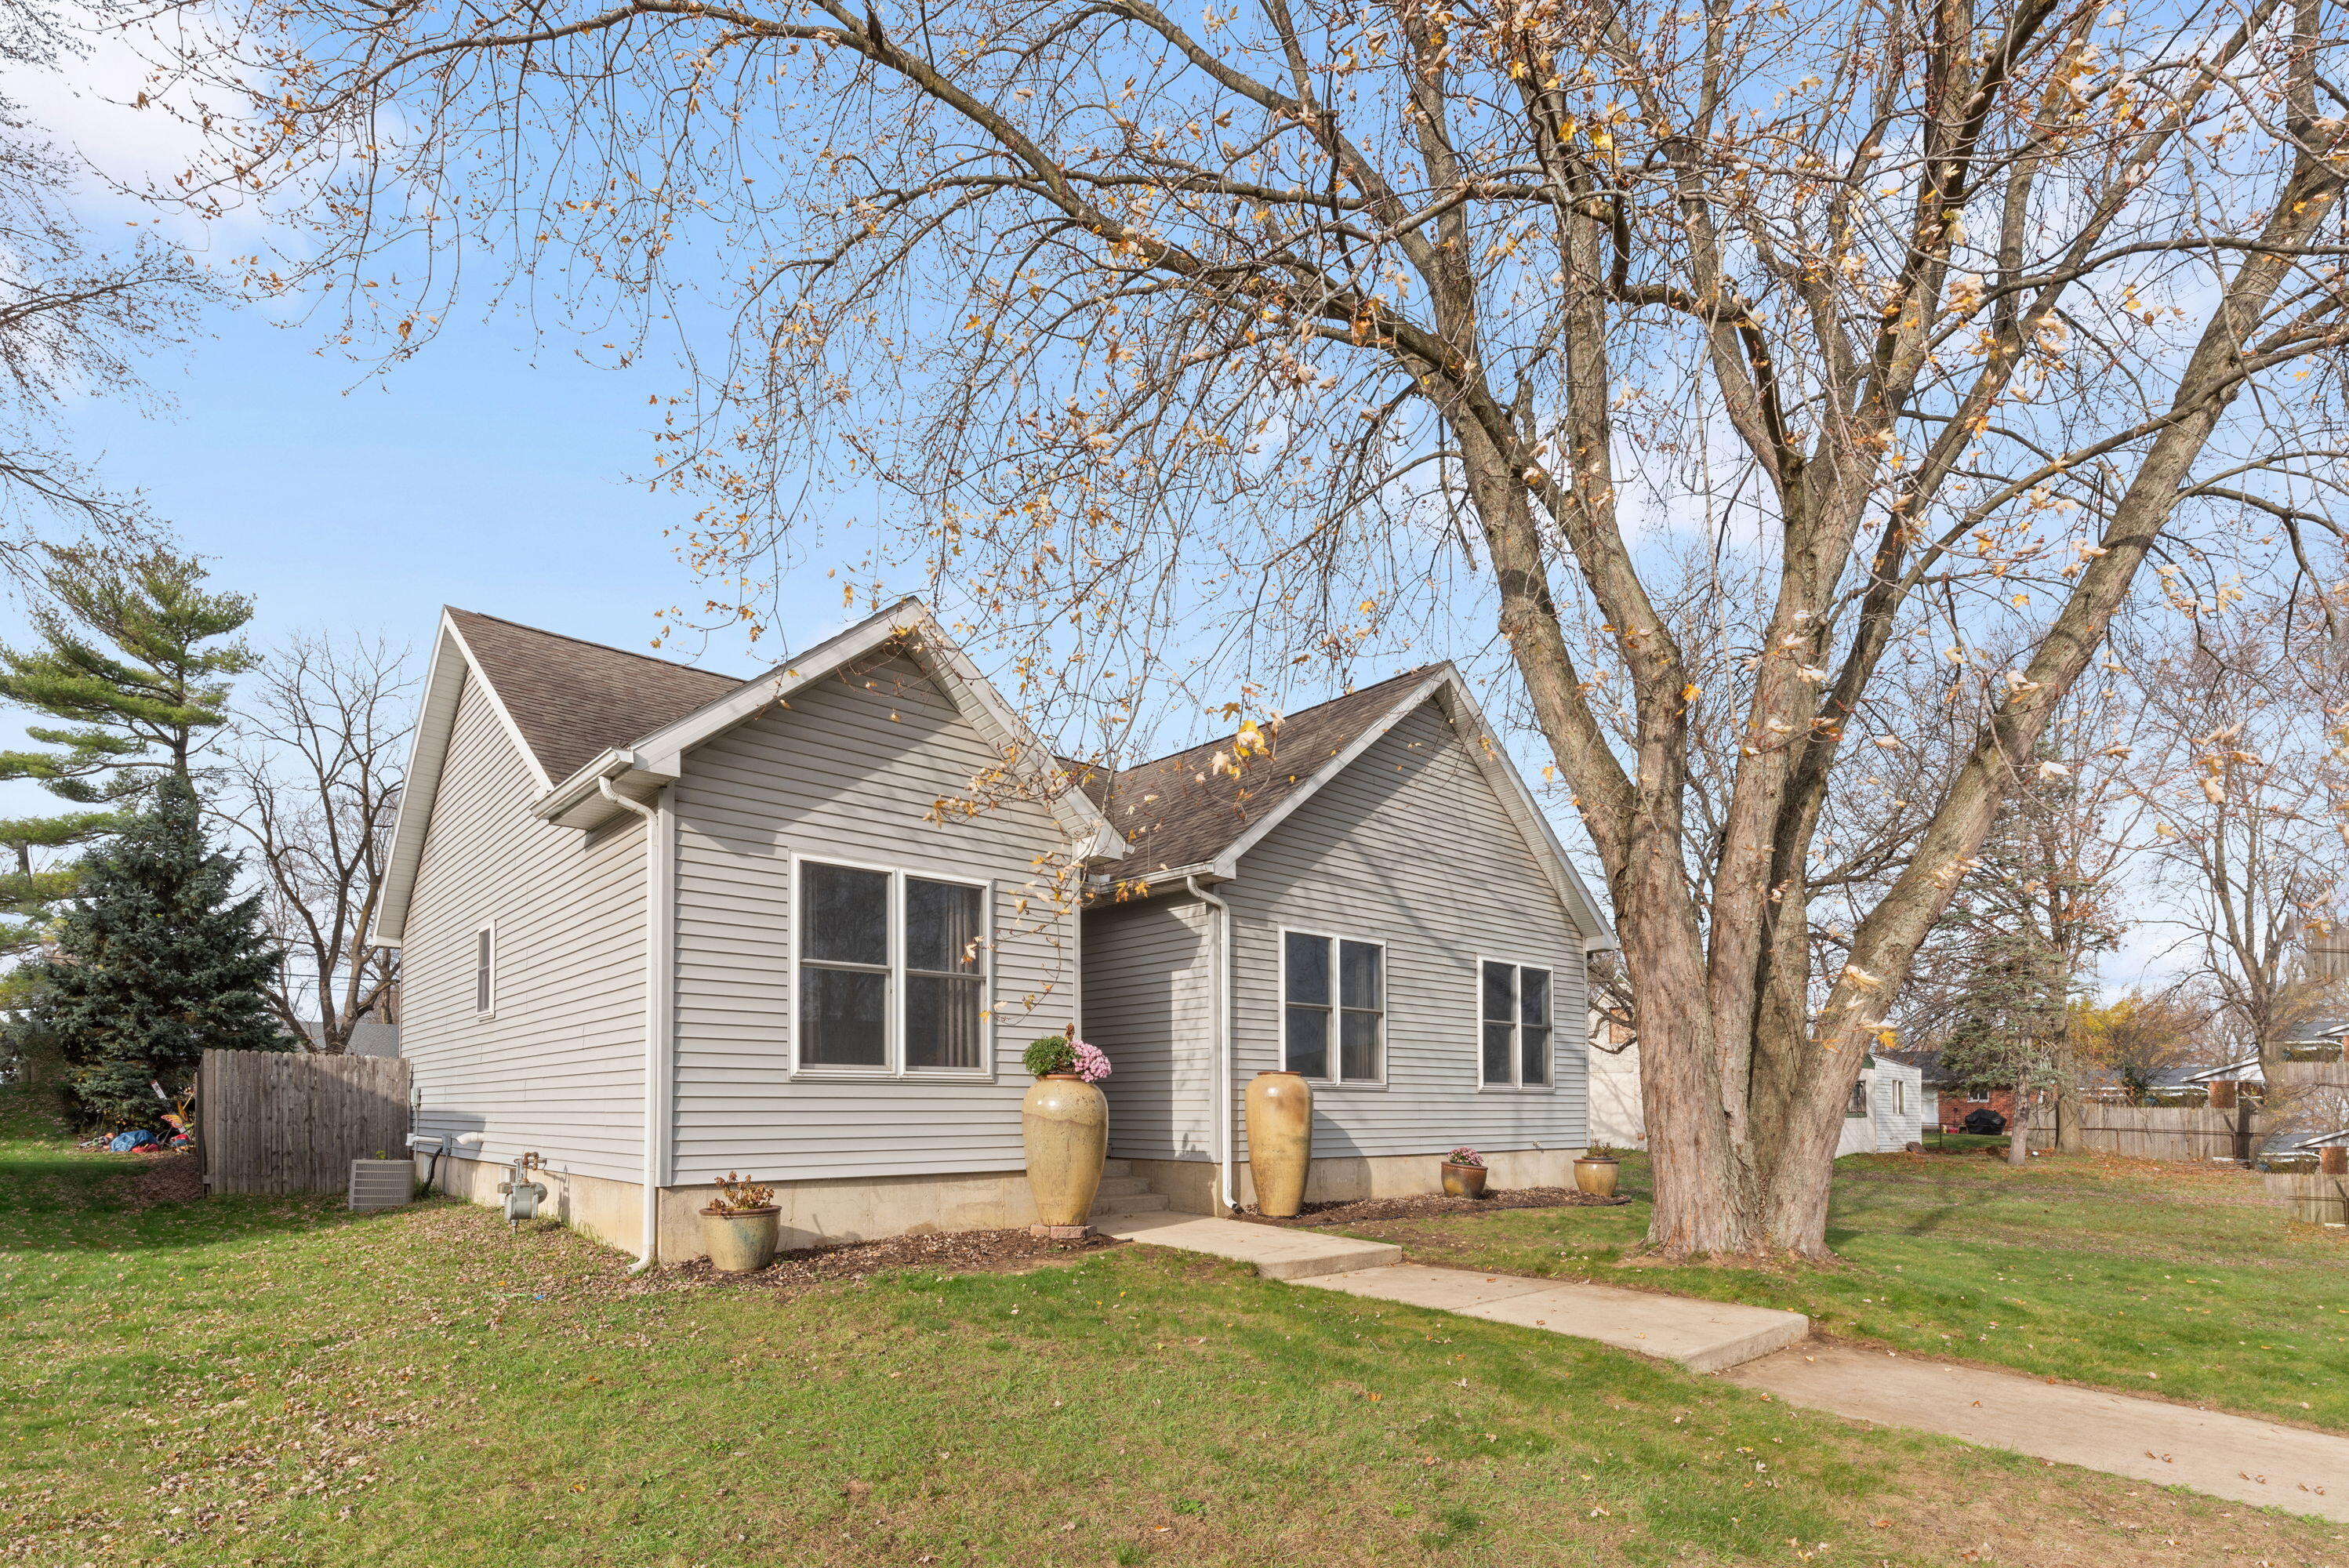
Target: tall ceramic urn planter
[[1280, 1140], [1064, 1122]]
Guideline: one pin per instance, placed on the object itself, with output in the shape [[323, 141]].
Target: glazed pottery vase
[[740, 1240], [1596, 1177], [1463, 1181], [1064, 1122], [1280, 1142]]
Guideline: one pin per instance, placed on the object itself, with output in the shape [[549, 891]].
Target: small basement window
[[1516, 1025], [1333, 1008]]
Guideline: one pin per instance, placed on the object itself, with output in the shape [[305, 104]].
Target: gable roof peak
[[567, 699]]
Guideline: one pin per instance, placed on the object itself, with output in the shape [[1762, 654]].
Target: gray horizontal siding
[[1410, 846], [560, 1068], [1149, 1004], [852, 768]]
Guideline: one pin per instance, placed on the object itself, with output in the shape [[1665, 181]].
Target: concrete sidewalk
[[1278, 1254], [1702, 1336], [2233, 1457], [2171, 1444]]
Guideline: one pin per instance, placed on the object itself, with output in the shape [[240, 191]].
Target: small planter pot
[[1064, 1127], [1596, 1177], [1463, 1181], [740, 1240], [1280, 1142]]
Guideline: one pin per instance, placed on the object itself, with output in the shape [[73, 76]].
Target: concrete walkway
[[1702, 1336], [2171, 1444]]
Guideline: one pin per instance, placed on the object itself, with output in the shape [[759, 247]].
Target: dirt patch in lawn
[[957, 1252], [166, 1179], [1428, 1206]]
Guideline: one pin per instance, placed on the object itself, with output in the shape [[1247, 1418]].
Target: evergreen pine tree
[[132, 657], [156, 961]]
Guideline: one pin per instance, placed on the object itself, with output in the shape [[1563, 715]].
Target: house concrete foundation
[[865, 1208], [597, 1207], [1191, 1187], [815, 1213]]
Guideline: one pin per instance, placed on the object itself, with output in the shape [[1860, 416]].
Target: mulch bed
[[166, 1179], [1429, 1206], [957, 1252]]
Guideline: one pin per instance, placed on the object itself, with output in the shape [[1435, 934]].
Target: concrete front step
[[1117, 1167], [1702, 1336], [1123, 1203], [1277, 1253], [1122, 1186]]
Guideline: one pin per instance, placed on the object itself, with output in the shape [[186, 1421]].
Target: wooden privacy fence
[[2164, 1131], [273, 1121]]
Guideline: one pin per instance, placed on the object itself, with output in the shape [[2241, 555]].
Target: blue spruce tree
[[156, 961]]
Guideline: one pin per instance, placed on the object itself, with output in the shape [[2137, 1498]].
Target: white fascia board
[[1468, 722], [428, 753], [577, 803]]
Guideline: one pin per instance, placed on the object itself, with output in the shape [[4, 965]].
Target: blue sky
[[490, 472]]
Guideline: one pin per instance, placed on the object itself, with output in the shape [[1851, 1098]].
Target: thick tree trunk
[[1704, 1205], [2069, 1139], [2018, 1131]]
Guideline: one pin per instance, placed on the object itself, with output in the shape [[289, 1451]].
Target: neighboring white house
[[1885, 1115], [658, 924]]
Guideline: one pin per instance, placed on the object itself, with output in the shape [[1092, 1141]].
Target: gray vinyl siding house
[[658, 924]]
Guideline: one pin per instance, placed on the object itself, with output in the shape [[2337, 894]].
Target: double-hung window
[[1333, 1008], [892, 971], [1516, 1025]]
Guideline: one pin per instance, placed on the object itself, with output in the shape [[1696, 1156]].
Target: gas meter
[[522, 1195]]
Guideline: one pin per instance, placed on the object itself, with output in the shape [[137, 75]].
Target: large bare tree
[[313, 782], [1304, 330]]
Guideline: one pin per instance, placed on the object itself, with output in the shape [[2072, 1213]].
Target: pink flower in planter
[[1091, 1066]]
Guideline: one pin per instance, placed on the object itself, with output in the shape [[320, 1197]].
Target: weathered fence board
[[270, 1122], [2164, 1131]]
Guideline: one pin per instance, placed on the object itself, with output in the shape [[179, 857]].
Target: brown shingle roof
[[572, 700], [1179, 811]]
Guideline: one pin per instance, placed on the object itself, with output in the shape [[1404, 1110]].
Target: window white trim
[[1337, 1009], [894, 1016], [1514, 1084], [485, 970]]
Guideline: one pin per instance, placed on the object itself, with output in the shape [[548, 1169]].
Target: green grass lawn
[[2151, 1277], [278, 1381]]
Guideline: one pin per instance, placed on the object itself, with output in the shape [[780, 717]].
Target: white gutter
[[661, 928], [1224, 1154]]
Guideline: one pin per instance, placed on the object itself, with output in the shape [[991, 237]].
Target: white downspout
[[1224, 1154], [659, 928]]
